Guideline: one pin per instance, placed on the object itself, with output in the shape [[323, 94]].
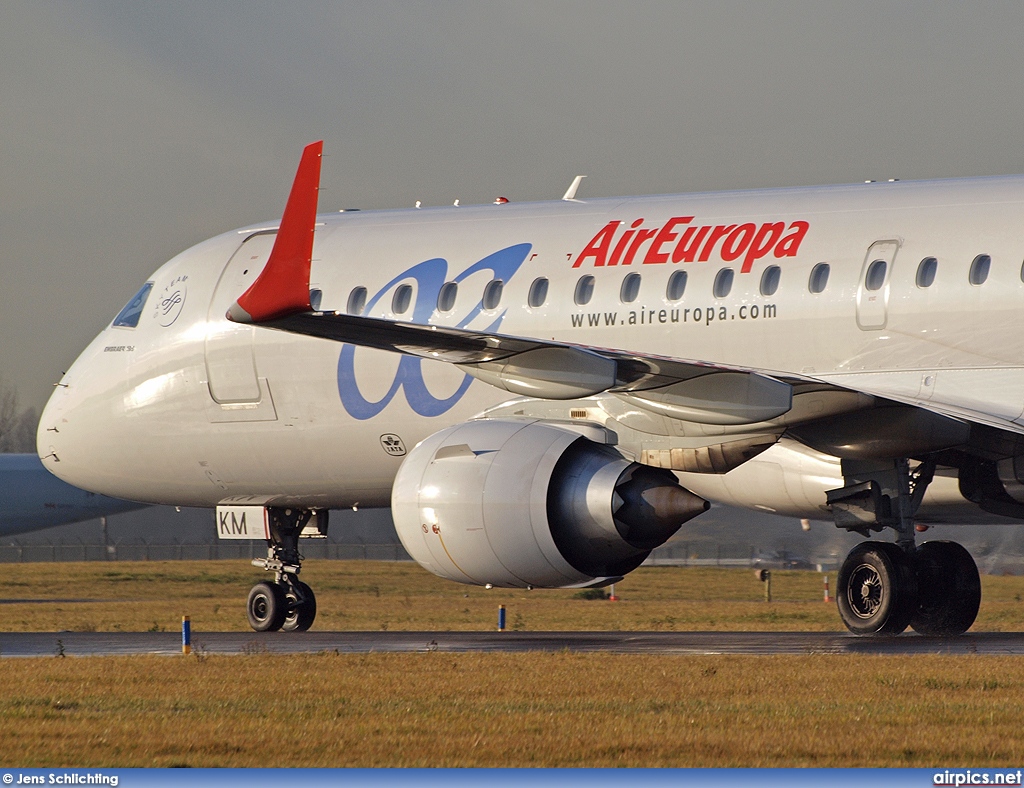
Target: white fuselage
[[188, 408]]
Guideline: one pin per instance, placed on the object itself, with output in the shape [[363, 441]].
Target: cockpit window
[[129, 316]]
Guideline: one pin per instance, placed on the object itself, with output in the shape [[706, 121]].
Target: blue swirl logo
[[429, 277]]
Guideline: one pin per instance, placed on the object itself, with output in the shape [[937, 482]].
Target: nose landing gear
[[884, 587], [286, 603]]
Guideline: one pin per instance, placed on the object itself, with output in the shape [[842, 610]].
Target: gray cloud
[[133, 130]]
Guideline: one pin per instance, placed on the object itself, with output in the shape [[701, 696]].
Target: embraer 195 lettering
[[544, 393]]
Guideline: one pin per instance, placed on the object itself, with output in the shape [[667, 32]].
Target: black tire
[[301, 615], [266, 607], [877, 589], [949, 589]]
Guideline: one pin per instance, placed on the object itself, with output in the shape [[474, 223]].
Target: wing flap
[[549, 373], [723, 398]]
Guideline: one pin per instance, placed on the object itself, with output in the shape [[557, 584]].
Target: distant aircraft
[[32, 498], [545, 392]]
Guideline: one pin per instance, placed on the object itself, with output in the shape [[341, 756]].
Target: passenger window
[[630, 288], [402, 299], [446, 297], [926, 272], [979, 269], [770, 280], [818, 280], [676, 286], [875, 277], [492, 294], [584, 290], [129, 316], [538, 292], [356, 301], [723, 283]]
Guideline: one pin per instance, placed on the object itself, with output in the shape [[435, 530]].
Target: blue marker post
[[186, 635], [501, 618]]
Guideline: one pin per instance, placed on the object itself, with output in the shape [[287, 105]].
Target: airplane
[[545, 392], [32, 498]]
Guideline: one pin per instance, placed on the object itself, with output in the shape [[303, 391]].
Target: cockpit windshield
[[129, 316]]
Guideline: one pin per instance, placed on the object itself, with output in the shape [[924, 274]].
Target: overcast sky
[[130, 131]]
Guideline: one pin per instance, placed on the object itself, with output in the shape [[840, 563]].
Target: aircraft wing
[[692, 389]]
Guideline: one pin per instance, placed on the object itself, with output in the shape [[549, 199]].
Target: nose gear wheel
[[266, 607], [287, 603]]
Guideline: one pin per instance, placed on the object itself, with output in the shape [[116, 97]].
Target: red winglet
[[282, 288]]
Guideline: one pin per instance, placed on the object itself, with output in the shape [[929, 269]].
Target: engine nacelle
[[519, 503]]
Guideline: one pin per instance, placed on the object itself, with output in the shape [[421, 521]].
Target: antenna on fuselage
[[570, 193]]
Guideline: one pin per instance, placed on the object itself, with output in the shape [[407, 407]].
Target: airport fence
[[679, 553], [673, 554], [17, 552]]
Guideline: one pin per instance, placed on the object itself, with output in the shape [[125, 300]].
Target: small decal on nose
[[171, 301]]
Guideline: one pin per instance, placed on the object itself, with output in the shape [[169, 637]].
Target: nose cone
[[654, 506], [79, 427]]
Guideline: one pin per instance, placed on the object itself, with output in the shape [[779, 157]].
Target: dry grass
[[367, 595], [436, 709]]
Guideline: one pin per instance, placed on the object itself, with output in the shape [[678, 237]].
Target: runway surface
[[49, 644]]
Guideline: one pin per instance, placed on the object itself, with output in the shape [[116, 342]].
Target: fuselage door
[[230, 362], [873, 288]]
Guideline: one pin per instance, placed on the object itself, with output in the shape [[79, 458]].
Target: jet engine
[[521, 503]]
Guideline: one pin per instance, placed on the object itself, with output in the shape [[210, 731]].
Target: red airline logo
[[681, 242]]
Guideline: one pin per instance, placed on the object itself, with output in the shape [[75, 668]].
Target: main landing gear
[[884, 587], [286, 603]]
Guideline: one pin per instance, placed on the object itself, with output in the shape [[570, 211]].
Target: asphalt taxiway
[[49, 644]]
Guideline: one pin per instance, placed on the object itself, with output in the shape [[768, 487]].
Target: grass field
[[368, 595], [436, 709]]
